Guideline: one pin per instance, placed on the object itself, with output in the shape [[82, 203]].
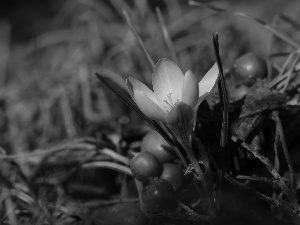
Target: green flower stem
[[183, 133], [178, 151]]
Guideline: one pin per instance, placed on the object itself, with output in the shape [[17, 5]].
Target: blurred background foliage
[[50, 49]]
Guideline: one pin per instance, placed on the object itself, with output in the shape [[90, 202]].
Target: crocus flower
[[175, 95], [174, 100]]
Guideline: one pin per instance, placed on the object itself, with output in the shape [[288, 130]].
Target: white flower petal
[[190, 90], [134, 84], [148, 107], [208, 82], [167, 80]]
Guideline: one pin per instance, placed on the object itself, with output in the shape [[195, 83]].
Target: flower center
[[170, 102]]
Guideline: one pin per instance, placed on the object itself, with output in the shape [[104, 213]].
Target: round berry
[[145, 166], [249, 68], [172, 173], [237, 92], [154, 143], [159, 196]]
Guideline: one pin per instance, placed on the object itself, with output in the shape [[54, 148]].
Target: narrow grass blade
[[109, 165], [291, 21], [224, 102], [269, 46], [167, 36], [259, 21], [223, 93], [261, 196], [140, 41], [281, 137], [290, 194]]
